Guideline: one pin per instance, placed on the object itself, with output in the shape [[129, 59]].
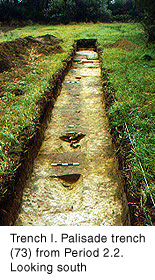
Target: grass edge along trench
[[128, 81]]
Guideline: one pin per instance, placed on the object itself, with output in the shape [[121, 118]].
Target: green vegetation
[[131, 75], [133, 81], [146, 10], [122, 10], [55, 10], [18, 12], [60, 11]]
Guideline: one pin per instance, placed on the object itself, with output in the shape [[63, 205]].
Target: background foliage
[[146, 14], [66, 11], [131, 74]]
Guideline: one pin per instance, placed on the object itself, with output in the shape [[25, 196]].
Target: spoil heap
[[123, 44], [17, 57]]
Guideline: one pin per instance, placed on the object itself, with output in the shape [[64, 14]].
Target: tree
[[35, 8], [146, 12], [9, 9], [122, 10], [77, 10]]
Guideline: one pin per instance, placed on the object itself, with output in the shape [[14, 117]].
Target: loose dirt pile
[[123, 44], [19, 52], [17, 57]]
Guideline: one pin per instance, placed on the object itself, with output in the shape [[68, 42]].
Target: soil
[[12, 180], [75, 179], [92, 188], [18, 56], [123, 44], [23, 153]]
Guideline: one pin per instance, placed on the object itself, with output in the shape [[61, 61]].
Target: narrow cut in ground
[[75, 179]]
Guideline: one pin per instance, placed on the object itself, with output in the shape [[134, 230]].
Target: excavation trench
[[75, 178]]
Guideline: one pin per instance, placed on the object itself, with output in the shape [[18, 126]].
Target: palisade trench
[[75, 178]]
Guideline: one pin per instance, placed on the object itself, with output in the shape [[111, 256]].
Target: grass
[[132, 78], [133, 81], [20, 111]]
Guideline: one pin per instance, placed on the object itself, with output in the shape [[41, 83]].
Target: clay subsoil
[[75, 179]]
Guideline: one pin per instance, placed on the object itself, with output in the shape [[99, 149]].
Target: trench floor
[[75, 180]]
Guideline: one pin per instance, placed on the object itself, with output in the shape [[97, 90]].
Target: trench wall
[[15, 182]]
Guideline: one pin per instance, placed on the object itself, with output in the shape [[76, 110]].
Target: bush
[[146, 10], [79, 11]]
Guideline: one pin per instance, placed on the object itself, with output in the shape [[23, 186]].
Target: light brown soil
[[90, 193], [123, 44]]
